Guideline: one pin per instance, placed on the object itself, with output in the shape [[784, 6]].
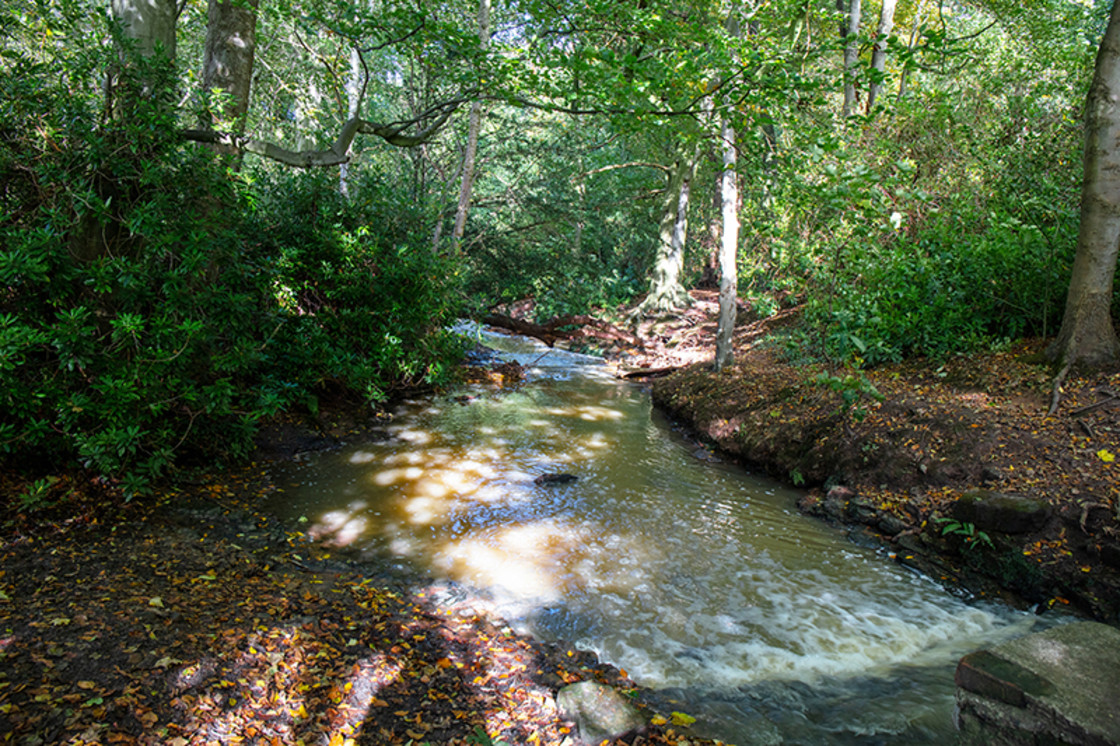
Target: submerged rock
[[555, 479], [600, 712]]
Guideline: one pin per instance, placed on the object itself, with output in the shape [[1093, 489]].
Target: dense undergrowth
[[155, 306]]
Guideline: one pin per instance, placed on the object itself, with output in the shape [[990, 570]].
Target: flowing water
[[700, 580]]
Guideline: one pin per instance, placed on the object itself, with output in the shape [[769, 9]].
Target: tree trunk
[[149, 30], [1087, 335], [355, 86], [227, 65], [849, 33], [150, 25], [879, 53], [729, 244], [729, 229], [666, 293], [227, 60], [474, 126], [915, 29]]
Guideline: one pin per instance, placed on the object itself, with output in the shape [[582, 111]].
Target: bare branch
[[335, 156]]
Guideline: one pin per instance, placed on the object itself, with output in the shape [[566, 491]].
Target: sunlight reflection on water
[[695, 577]]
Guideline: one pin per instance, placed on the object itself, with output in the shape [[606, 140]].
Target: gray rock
[[996, 511], [835, 503], [555, 479], [1060, 686], [600, 712], [891, 525]]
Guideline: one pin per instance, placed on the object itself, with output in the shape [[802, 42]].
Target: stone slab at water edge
[[1061, 686]]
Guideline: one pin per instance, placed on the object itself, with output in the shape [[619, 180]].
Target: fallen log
[[650, 372], [554, 330]]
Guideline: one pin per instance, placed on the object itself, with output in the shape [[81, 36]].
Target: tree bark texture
[[474, 127], [150, 24], [849, 33], [666, 293], [879, 52], [1087, 335], [728, 253], [227, 59]]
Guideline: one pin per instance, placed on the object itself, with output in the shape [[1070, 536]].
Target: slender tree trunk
[[910, 45], [474, 126], [1087, 335], [729, 228], [879, 52], [849, 34], [729, 246], [355, 84]]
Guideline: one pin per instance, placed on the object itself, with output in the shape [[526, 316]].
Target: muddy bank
[[900, 469]]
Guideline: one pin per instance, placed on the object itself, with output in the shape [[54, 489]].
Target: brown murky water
[[699, 579]]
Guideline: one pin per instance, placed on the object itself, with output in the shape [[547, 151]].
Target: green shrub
[[947, 290], [146, 308]]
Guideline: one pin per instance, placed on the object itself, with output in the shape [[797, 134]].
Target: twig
[[1056, 396]]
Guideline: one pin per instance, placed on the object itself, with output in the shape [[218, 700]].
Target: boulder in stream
[[599, 711], [1060, 686]]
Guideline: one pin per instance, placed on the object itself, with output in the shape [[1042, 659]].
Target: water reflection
[[694, 577]]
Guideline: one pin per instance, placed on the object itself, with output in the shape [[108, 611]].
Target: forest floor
[[198, 618]]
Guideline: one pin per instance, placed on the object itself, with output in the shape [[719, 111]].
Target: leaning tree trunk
[[1087, 335], [879, 53], [666, 293]]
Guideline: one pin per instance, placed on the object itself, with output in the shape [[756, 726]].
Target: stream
[[699, 579]]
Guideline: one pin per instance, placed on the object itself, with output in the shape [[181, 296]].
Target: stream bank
[[948, 436]]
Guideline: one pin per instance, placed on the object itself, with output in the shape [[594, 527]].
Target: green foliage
[[972, 537], [854, 390], [946, 291], [481, 738], [363, 308], [146, 316]]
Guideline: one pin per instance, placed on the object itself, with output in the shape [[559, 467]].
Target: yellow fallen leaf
[[1106, 456], [156, 602], [658, 720], [679, 718]]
